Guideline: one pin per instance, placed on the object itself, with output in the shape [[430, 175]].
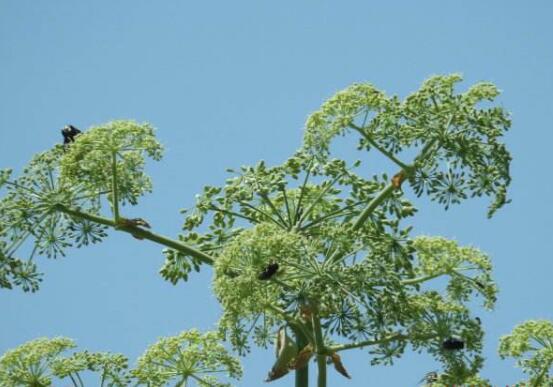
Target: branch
[[273, 208], [373, 143], [140, 233], [360, 344], [418, 280], [303, 216], [387, 191]]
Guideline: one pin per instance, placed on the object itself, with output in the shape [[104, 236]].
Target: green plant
[[531, 343], [313, 246]]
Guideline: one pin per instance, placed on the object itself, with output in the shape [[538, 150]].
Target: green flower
[[187, 356], [531, 343]]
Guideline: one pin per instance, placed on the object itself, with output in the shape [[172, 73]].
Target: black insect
[[453, 344], [69, 133], [269, 271]]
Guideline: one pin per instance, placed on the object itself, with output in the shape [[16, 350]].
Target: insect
[[269, 271], [69, 132], [453, 344], [134, 222]]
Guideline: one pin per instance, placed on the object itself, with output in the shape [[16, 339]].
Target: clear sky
[[229, 83]]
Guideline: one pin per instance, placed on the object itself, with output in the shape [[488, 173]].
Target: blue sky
[[230, 83]]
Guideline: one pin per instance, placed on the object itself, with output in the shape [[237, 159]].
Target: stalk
[[319, 350], [141, 233], [115, 191], [302, 375]]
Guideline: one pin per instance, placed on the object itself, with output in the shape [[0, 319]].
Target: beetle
[[269, 271]]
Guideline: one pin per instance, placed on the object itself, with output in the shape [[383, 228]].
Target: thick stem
[[142, 234], [320, 350], [295, 324], [321, 371], [302, 375]]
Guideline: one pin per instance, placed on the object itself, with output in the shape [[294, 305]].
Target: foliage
[[470, 159], [78, 177], [189, 355], [312, 244], [531, 344], [37, 362], [89, 161]]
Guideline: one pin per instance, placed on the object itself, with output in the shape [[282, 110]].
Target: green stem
[[182, 382], [384, 340], [288, 213], [79, 378], [385, 193], [294, 323], [297, 212], [73, 380], [273, 208], [418, 280], [321, 368], [263, 213], [141, 233], [232, 213], [115, 192], [201, 380], [373, 143], [316, 201], [319, 350], [302, 375]]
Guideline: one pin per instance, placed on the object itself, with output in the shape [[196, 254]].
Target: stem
[[201, 380], [319, 197], [182, 382], [289, 214], [302, 375], [330, 215], [321, 367], [232, 213], [141, 233], [360, 344], [319, 350], [383, 195], [73, 380], [79, 378], [418, 280], [302, 190], [373, 143], [294, 323], [115, 192], [274, 209], [262, 213]]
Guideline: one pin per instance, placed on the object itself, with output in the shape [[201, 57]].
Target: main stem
[[302, 375], [320, 350]]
